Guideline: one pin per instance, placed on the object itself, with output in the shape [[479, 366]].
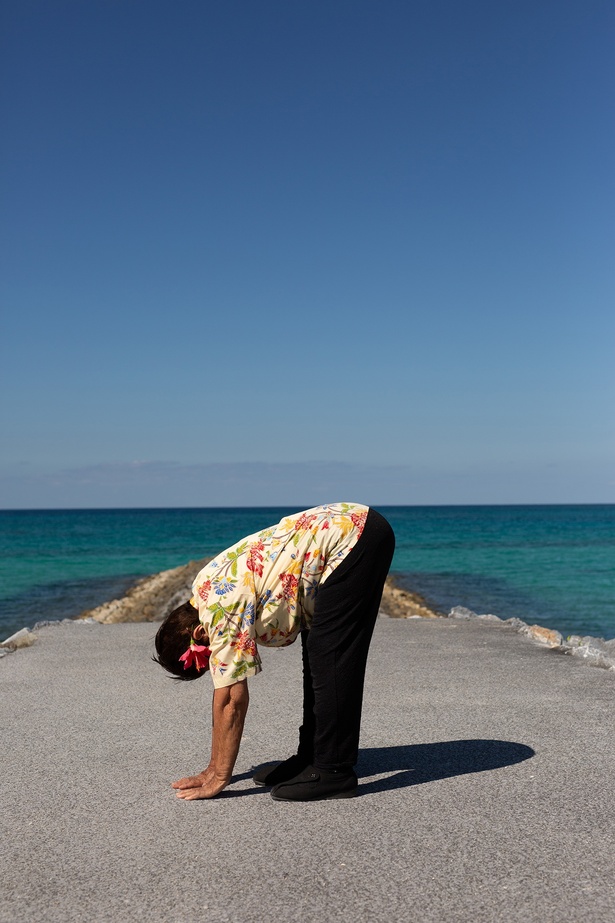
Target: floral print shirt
[[262, 590]]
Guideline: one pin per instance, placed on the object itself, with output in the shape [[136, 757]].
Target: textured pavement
[[487, 774]]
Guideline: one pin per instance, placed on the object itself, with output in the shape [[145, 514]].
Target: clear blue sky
[[307, 251]]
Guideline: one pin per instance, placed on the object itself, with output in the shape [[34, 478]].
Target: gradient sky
[[295, 252]]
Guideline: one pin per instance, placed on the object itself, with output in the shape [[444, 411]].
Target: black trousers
[[335, 649]]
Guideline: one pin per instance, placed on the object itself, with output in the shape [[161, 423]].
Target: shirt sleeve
[[228, 616]]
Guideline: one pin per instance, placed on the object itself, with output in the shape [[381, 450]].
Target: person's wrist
[[223, 778]]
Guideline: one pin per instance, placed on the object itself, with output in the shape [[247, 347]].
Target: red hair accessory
[[197, 655]]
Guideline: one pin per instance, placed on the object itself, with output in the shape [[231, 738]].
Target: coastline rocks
[[545, 635], [596, 651], [151, 599], [26, 637], [22, 638], [53, 623], [460, 612], [398, 603]]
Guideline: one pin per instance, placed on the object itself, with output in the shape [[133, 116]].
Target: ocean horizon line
[[284, 506]]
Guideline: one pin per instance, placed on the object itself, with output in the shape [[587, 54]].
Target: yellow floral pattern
[[262, 590]]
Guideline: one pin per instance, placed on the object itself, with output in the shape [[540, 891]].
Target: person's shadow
[[414, 764]]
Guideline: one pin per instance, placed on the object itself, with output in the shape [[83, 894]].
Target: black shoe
[[280, 772], [317, 785]]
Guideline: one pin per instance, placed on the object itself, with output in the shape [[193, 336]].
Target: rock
[[22, 638], [545, 635], [516, 624], [586, 644], [460, 612], [597, 651], [54, 623]]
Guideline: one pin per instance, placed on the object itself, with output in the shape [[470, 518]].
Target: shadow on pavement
[[419, 763], [415, 764]]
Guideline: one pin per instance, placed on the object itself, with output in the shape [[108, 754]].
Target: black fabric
[[336, 646], [316, 785], [281, 772]]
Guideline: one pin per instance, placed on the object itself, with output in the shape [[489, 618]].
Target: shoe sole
[[334, 797]]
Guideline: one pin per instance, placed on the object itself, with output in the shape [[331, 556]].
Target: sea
[[551, 565]]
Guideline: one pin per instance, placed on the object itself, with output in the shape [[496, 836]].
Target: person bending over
[[319, 574]]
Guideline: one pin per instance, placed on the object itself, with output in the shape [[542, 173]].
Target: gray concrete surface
[[487, 779]]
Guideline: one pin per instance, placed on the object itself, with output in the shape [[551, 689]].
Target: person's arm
[[229, 707]]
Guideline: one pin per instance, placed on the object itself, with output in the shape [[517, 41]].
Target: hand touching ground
[[205, 785]]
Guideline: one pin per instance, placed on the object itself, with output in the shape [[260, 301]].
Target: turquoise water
[[554, 565]]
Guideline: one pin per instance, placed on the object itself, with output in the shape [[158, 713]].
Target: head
[[173, 639]]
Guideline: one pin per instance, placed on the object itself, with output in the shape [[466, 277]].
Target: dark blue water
[[554, 565]]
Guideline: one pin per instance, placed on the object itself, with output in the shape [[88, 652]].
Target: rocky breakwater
[[154, 597]]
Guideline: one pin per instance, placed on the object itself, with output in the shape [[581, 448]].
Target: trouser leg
[[337, 645], [308, 728]]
